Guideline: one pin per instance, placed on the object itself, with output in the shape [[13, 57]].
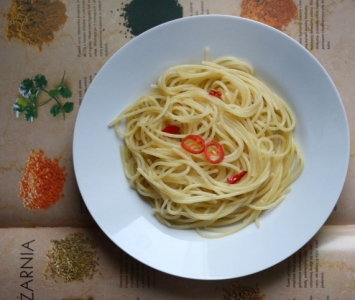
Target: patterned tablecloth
[[77, 37]]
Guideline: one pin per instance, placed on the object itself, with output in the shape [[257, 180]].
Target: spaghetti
[[253, 126]]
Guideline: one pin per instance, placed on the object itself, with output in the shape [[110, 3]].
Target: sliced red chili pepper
[[214, 152], [235, 178], [215, 93], [171, 128], [193, 143]]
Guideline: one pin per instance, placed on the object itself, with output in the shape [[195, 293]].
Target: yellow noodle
[[253, 125]]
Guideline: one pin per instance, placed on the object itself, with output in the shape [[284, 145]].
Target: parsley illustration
[[30, 90]]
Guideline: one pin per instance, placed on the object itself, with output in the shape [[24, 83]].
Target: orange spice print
[[42, 183], [276, 13], [35, 21]]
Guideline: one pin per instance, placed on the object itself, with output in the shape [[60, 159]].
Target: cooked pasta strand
[[253, 125]]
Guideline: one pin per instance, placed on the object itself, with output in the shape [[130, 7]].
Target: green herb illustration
[[31, 89]]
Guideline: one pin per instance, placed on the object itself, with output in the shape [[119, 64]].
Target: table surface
[[94, 30]]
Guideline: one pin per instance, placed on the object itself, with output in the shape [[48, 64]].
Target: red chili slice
[[214, 152], [235, 178], [215, 93], [193, 143], [171, 128]]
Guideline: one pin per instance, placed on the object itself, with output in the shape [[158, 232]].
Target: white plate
[[290, 70]]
